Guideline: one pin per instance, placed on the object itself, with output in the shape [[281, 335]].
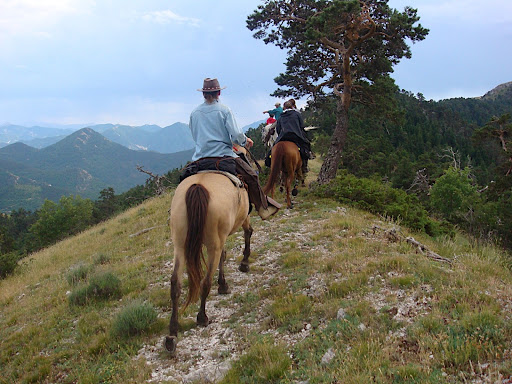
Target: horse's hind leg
[[295, 190], [244, 265], [299, 177], [171, 341], [214, 256], [288, 188], [223, 286]]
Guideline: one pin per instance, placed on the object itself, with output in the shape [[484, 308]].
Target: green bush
[[103, 286], [77, 274], [8, 263], [376, 197], [453, 194], [79, 296], [134, 319]]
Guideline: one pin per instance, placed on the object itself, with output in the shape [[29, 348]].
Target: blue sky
[[140, 62]]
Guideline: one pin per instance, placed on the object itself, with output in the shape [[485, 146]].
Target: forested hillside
[[82, 164], [414, 135], [414, 144]]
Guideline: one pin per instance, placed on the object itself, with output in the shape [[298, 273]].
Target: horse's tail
[[275, 168], [196, 200]]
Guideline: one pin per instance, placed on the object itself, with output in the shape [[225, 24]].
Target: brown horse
[[205, 210], [287, 163]]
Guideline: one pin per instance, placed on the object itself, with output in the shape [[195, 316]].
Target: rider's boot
[[273, 207], [305, 166]]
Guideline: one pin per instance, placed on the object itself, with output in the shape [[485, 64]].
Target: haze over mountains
[[170, 139], [38, 163], [173, 138]]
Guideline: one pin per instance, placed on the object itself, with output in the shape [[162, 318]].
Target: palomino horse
[[286, 160], [205, 210]]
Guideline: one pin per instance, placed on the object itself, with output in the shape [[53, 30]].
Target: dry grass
[[322, 286]]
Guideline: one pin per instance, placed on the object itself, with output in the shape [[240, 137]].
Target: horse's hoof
[[203, 321], [243, 268], [224, 290], [295, 192], [170, 343]]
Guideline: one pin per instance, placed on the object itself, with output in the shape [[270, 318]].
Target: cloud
[[135, 111], [36, 17], [168, 16]]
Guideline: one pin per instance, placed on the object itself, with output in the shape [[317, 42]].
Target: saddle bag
[[224, 164]]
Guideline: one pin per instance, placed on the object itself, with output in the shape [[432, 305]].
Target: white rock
[[329, 355]]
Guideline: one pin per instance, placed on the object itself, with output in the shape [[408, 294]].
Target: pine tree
[[345, 47]]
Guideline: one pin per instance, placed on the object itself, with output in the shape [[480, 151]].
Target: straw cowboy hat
[[210, 85]]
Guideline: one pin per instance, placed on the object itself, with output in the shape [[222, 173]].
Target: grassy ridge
[[44, 338], [342, 302]]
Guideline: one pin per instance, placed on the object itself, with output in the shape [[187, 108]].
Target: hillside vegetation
[[83, 163], [334, 294]]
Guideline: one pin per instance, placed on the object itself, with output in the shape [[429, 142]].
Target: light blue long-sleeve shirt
[[214, 131]]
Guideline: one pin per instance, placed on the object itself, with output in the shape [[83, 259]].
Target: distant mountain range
[[170, 139], [83, 163]]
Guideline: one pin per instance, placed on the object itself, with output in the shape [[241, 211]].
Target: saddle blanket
[[235, 180]]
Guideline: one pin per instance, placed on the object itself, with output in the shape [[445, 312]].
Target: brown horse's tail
[[275, 168], [196, 199]]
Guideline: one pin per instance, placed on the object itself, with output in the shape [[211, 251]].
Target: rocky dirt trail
[[204, 355]]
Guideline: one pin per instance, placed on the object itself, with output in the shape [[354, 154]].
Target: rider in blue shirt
[[214, 131]]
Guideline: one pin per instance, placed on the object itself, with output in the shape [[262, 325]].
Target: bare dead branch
[[395, 236], [145, 230], [157, 179], [427, 252]]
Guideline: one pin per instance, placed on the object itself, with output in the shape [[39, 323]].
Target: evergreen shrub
[[8, 263], [105, 285], [102, 286], [378, 198], [77, 274], [134, 319]]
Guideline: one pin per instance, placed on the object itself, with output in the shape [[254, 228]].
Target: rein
[[254, 159]]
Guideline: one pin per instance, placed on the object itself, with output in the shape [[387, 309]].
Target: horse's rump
[[286, 162], [281, 151]]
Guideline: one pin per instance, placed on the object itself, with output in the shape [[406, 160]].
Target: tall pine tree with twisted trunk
[[341, 47]]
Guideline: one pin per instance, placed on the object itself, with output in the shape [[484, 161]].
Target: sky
[[141, 62]]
